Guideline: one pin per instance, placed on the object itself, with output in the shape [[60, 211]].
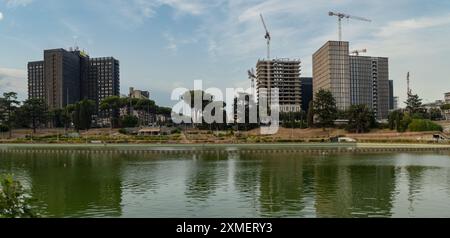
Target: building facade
[[352, 80], [307, 92], [139, 94], [447, 98], [391, 95], [331, 72], [66, 77], [36, 83], [396, 103], [283, 74], [369, 80]]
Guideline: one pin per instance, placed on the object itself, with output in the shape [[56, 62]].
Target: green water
[[234, 185]]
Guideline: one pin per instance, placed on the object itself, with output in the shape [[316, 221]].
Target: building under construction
[[283, 74]]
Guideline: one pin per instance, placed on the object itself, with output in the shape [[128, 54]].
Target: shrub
[[418, 125], [14, 202]]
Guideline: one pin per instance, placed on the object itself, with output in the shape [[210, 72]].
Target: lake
[[222, 184]]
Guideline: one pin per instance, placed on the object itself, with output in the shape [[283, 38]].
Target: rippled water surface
[[234, 185]]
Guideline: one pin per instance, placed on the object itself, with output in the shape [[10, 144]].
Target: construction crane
[[252, 77], [268, 38], [357, 52], [341, 16]]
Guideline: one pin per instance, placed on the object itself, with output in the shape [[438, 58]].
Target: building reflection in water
[[75, 184]]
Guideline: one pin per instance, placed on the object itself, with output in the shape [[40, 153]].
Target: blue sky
[[163, 44]]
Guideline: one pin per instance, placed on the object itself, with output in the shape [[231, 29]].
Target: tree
[[325, 108], [57, 117], [14, 202], [34, 112], [360, 118], [82, 115], [112, 105], [311, 115], [413, 104], [435, 114], [8, 105], [419, 125], [129, 121]]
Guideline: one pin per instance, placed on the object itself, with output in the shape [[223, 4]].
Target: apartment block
[[283, 74], [369, 80], [331, 71]]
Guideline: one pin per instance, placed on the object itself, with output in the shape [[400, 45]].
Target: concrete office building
[[369, 80], [352, 80], [307, 92], [331, 71], [66, 77], [284, 75]]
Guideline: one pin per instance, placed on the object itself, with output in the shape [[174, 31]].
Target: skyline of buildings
[[352, 79], [67, 76]]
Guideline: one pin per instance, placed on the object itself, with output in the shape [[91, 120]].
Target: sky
[[164, 44]]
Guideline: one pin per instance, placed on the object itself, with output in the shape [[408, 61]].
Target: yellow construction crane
[[341, 16]]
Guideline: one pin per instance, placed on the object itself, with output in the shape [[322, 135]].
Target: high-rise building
[[62, 76], [104, 75], [36, 83], [65, 77], [391, 94], [331, 71], [447, 98], [352, 80], [396, 105], [369, 80], [307, 92], [285, 76]]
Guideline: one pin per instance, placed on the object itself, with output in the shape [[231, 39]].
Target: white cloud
[[1, 16], [13, 80], [18, 3], [398, 27]]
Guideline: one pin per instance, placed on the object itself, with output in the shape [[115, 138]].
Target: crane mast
[[341, 16], [268, 38]]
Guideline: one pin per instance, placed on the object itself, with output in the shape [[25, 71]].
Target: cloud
[[18, 3], [1, 16], [403, 26], [13, 80]]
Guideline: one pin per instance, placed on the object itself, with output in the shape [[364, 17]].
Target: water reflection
[[230, 185]]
